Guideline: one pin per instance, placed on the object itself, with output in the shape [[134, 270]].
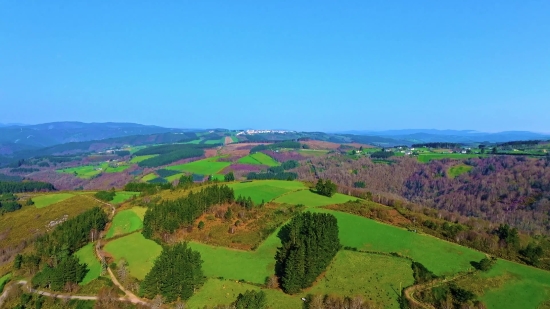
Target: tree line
[[437, 145], [309, 243], [278, 145], [169, 216], [25, 186], [8, 203]]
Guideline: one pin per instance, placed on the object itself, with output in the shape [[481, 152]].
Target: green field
[[148, 177], [86, 255], [90, 171], [510, 285], [140, 253], [49, 199], [265, 190], [427, 157], [258, 158], [126, 221], [174, 177], [223, 292], [142, 158], [379, 277], [123, 196], [313, 152], [311, 199], [441, 257], [457, 170], [207, 166]]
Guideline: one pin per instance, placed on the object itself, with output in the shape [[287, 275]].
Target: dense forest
[[309, 242], [167, 154], [169, 216], [501, 189], [25, 186], [177, 273]]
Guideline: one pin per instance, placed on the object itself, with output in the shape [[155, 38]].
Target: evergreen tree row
[[71, 235], [106, 196], [146, 188], [26, 186], [169, 216], [247, 203], [67, 271], [309, 243], [177, 273]]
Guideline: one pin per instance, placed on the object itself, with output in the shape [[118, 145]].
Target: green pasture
[[427, 157], [258, 158], [50, 199], [313, 152], [223, 292], [149, 177], [125, 222], [206, 166], [311, 199], [138, 159], [457, 170], [215, 141], [235, 139], [509, 285], [90, 171], [123, 196], [265, 190], [174, 177], [369, 275], [87, 256], [441, 257], [140, 253]]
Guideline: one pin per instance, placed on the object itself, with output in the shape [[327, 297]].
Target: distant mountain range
[[456, 136], [23, 141]]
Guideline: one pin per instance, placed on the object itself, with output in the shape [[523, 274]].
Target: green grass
[[50, 199], [86, 255], [90, 171], [510, 285], [138, 159], [379, 277], [3, 280], [427, 157], [140, 253], [441, 257], [148, 177], [215, 141], [174, 177], [123, 196], [85, 172], [224, 292], [125, 222], [311, 199], [313, 152], [266, 190], [258, 158], [207, 166], [457, 170]]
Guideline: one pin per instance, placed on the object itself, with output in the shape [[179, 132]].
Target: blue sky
[[323, 65]]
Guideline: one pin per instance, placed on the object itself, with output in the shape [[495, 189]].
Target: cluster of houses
[[250, 132]]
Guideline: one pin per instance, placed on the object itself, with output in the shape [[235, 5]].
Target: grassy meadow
[[140, 253], [311, 199], [138, 159], [258, 158], [126, 221], [92, 170], [87, 255], [3, 280], [427, 157], [265, 190], [206, 166], [457, 170], [42, 201], [123, 196]]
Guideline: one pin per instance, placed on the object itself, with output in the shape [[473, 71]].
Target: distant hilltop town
[[250, 132]]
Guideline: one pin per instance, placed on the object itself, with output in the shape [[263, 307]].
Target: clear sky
[[303, 65]]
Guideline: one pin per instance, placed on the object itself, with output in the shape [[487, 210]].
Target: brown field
[[245, 230], [228, 140]]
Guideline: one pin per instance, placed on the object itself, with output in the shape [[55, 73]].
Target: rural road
[[409, 292]]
